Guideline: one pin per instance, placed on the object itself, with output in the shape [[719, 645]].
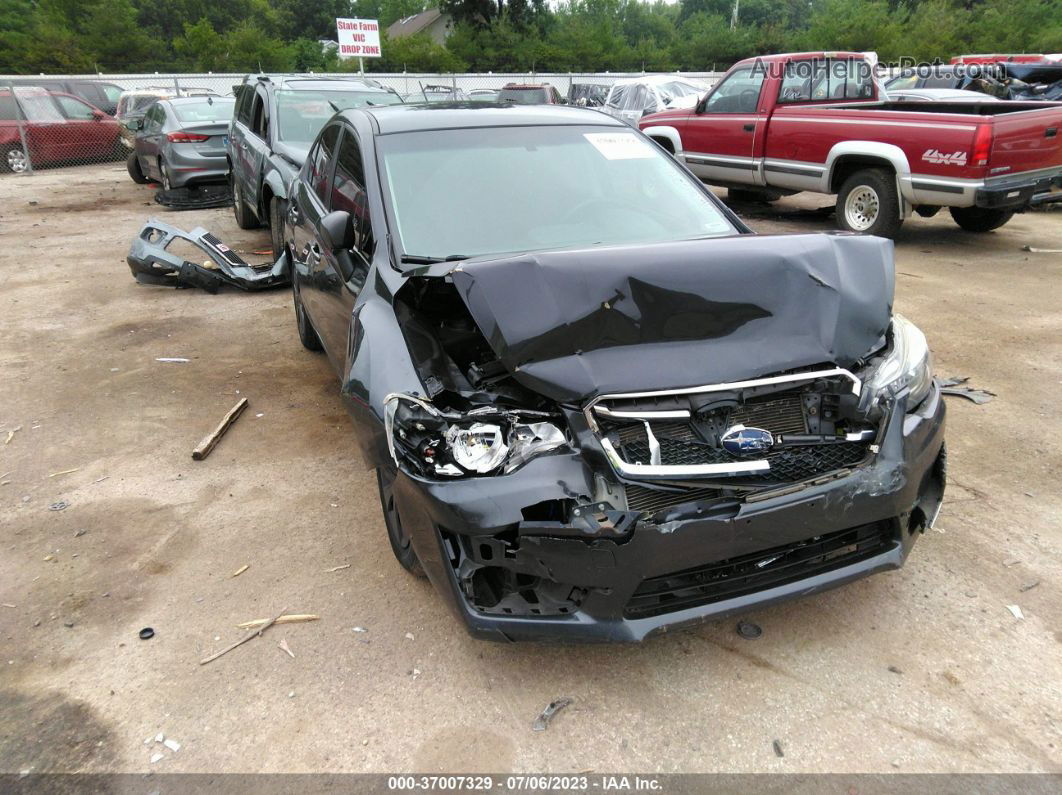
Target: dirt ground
[[923, 669]]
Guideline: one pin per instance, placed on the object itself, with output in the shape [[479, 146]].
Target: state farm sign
[[358, 38]]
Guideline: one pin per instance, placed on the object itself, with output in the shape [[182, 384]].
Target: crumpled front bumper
[[582, 579]]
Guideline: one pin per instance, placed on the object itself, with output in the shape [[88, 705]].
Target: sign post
[[358, 38]]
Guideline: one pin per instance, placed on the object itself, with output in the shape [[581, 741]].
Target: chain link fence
[[51, 121]]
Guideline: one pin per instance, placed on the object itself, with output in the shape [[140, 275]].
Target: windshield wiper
[[415, 259]]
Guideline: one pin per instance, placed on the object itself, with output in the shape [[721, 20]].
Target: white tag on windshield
[[620, 145]]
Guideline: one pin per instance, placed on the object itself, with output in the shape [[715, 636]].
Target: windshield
[[207, 110], [502, 190], [523, 96], [303, 113]]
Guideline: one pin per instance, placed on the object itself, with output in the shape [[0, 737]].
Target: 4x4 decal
[[936, 156]]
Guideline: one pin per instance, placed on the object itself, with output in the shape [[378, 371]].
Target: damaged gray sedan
[[598, 407]]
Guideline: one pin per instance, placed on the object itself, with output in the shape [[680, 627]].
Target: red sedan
[[58, 127]]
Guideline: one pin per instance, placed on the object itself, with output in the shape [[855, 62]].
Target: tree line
[[78, 36]]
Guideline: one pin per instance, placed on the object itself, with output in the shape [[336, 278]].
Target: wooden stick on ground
[[242, 640], [292, 619], [203, 449]]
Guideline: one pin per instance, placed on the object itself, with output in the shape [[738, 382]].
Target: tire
[[277, 208], [245, 219], [400, 544], [868, 202], [15, 160], [136, 173], [980, 219], [307, 333]]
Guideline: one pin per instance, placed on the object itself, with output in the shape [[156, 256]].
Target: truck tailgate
[[1026, 141]]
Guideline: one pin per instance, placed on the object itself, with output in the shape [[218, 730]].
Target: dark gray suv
[[277, 118]]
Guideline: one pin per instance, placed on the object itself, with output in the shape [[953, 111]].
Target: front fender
[[667, 133], [276, 184], [378, 364]]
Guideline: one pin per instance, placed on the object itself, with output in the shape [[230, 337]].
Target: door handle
[[749, 127], [1050, 132]]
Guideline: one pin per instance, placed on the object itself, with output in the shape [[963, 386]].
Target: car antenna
[[335, 107]]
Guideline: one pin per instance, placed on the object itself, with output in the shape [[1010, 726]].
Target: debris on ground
[[62, 505], [285, 619], [11, 434], [151, 263], [147, 633], [337, 568], [1029, 586], [1042, 250], [894, 669], [409, 636], [414, 672], [778, 749], [172, 359], [952, 386], [6, 604], [748, 630], [157, 757], [241, 570], [243, 640], [1016, 612], [64, 472], [173, 745], [284, 648], [543, 720], [80, 532], [203, 449], [196, 197]]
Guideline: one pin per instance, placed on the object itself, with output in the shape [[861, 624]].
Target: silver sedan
[[181, 142]]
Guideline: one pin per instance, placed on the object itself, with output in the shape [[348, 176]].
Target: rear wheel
[[277, 209], [136, 173], [750, 196], [244, 217], [868, 202], [396, 533], [167, 177], [307, 333], [980, 219]]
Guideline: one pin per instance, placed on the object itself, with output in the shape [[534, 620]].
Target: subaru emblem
[[741, 441]]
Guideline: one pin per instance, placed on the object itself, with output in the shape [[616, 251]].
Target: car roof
[[315, 83], [196, 100], [655, 80], [461, 115]]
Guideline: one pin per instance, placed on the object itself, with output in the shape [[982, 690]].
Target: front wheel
[[396, 533], [15, 160], [868, 202], [980, 219], [136, 173]]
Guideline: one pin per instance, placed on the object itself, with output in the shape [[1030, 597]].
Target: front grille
[[646, 500], [726, 579]]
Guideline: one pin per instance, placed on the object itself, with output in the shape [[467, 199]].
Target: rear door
[[88, 136], [148, 139], [340, 275], [309, 205], [238, 131], [719, 137], [256, 149]]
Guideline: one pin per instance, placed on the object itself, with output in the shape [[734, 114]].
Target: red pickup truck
[[781, 124]]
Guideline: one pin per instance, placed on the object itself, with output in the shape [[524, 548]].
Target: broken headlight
[[484, 441], [909, 363]]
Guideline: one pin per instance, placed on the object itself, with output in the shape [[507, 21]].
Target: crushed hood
[[575, 324]]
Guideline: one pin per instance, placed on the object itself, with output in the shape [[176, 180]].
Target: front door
[[719, 140]]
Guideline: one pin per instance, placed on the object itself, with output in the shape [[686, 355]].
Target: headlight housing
[[909, 363], [484, 441]]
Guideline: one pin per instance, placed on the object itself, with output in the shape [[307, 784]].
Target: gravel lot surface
[[925, 669]]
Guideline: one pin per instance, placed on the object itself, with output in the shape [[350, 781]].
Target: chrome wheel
[[861, 208], [17, 161], [167, 183]]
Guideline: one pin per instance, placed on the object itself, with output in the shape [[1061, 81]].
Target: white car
[[634, 97], [939, 95]]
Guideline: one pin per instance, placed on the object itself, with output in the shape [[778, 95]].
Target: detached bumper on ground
[[536, 556]]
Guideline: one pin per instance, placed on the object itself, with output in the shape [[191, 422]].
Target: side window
[[319, 162], [75, 109], [89, 92], [830, 79], [110, 91], [243, 105], [259, 117], [618, 96], [738, 93], [907, 81], [652, 105], [348, 193]]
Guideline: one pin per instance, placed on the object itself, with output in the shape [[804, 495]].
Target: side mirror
[[337, 230]]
